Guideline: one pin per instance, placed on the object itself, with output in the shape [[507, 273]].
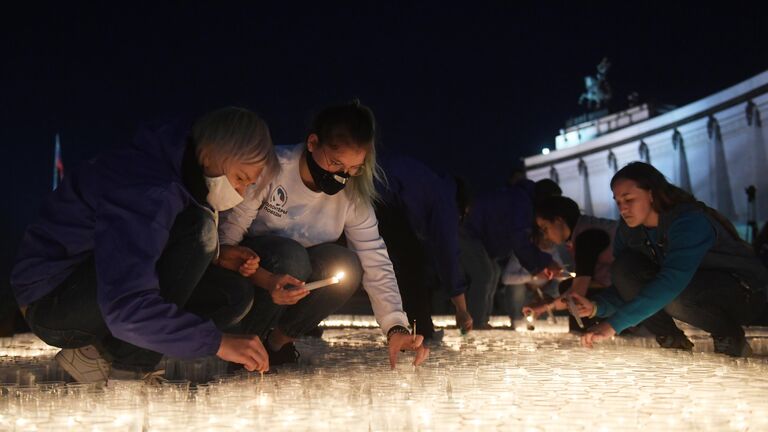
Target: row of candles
[[489, 380]]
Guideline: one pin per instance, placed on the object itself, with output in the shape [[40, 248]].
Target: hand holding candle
[[285, 289]]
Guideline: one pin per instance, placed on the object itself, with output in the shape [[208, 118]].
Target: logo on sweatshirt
[[279, 197], [276, 202]]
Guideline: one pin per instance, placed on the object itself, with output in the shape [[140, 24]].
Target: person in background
[[419, 220], [119, 248], [498, 225], [589, 240], [676, 258], [520, 285], [516, 176]]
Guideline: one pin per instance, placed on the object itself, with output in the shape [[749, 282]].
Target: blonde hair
[[362, 188], [352, 124], [236, 134]]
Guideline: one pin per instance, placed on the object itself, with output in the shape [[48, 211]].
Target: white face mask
[[221, 194]]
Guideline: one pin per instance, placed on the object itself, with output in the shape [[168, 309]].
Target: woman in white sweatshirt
[[325, 189]]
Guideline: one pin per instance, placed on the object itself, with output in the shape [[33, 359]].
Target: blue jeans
[[482, 274], [70, 317], [713, 301], [515, 297], [282, 255]]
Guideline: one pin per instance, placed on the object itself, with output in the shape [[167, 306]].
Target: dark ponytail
[[351, 123]]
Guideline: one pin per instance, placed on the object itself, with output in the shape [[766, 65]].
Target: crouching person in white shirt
[[325, 188]]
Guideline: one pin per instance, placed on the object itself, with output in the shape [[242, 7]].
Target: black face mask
[[328, 182]]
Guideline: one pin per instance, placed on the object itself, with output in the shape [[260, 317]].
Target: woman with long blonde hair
[[325, 189]]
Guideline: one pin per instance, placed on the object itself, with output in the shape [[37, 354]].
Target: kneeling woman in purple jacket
[[111, 270]]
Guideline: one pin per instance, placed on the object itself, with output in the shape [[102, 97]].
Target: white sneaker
[[84, 364], [119, 377]]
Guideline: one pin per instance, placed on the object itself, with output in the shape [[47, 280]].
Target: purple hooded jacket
[[118, 209]]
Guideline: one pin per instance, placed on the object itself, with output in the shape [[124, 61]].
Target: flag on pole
[[58, 165]]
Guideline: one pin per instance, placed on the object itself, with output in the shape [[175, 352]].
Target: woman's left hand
[[597, 333], [239, 259], [400, 341]]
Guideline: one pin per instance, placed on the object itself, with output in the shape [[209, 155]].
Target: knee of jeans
[[240, 302], [198, 224], [630, 271], [353, 269], [676, 309], [346, 261], [285, 256]]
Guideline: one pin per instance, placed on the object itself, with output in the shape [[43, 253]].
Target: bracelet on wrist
[[594, 310], [397, 329]]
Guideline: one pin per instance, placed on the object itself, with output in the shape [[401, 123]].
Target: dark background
[[467, 87]]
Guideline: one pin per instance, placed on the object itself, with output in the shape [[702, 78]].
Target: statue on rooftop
[[598, 91]]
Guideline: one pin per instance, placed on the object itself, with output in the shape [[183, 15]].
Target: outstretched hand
[[464, 321], [463, 317], [399, 342], [246, 350], [597, 333]]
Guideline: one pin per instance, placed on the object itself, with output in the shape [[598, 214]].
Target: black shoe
[[762, 318], [435, 338], [285, 355], [734, 346], [680, 342]]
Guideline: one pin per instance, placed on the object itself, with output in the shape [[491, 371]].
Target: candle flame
[[339, 275]]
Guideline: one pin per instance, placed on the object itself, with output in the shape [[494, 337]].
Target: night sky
[[467, 87]]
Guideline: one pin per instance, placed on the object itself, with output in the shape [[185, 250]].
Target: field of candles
[[499, 379]]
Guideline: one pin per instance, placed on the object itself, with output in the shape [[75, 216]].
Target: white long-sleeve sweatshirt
[[286, 207]]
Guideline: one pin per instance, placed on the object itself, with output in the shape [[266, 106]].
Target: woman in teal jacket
[[676, 258]]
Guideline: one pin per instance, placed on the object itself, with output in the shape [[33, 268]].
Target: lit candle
[[529, 318], [564, 274], [324, 282]]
